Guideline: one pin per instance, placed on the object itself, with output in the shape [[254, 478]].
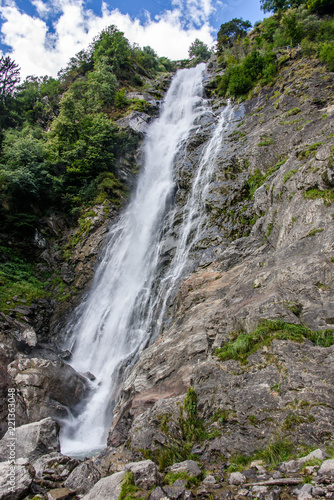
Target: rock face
[[31, 441], [46, 387], [267, 253], [15, 480], [108, 487]]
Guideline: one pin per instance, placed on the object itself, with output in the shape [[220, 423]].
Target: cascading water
[[126, 304]]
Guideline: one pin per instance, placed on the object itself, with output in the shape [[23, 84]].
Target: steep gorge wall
[[268, 253]]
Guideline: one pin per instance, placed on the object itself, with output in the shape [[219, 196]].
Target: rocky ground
[[41, 472], [267, 254]]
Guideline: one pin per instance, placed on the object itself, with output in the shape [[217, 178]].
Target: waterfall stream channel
[[135, 282]]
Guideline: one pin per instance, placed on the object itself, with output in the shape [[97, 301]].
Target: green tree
[[321, 6], [9, 76], [229, 32], [112, 45], [277, 5], [199, 51]]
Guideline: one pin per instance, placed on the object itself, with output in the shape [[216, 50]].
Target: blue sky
[[42, 35]]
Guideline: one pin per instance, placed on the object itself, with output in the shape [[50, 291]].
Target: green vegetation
[[256, 179], [253, 60], [59, 142], [19, 280], [192, 431], [171, 477], [327, 195], [313, 232], [242, 345], [266, 141], [289, 174], [128, 488], [309, 151]]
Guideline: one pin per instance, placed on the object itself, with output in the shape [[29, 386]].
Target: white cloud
[[41, 7], [39, 51]]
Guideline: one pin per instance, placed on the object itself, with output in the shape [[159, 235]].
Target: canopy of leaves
[[199, 51], [232, 30], [9, 76], [319, 6]]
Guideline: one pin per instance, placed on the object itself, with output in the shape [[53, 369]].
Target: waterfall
[[128, 297]]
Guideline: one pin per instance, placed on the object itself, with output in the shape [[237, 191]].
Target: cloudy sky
[[42, 35]]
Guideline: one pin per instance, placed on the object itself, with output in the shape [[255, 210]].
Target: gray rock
[[32, 440], [259, 492], [60, 494], [136, 121], [157, 494], [106, 488], [327, 468], [54, 463], [305, 493], [15, 479], [319, 454], [29, 337], [47, 387], [145, 473], [236, 478], [188, 466], [83, 478], [175, 492]]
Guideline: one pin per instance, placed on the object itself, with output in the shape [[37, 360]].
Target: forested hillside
[[63, 153]]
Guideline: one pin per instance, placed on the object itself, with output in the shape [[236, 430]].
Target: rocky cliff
[[262, 273], [270, 237]]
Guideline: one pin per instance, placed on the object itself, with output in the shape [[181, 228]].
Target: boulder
[[145, 473], [188, 466], [47, 387], [54, 463], [136, 121], [60, 494], [15, 479], [107, 488], [236, 478], [83, 478], [158, 494], [327, 468], [31, 441]]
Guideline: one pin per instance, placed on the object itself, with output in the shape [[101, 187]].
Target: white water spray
[[115, 322]]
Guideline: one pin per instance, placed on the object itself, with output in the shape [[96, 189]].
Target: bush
[[326, 54]]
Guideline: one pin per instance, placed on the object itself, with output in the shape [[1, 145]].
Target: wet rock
[[47, 387], [83, 478], [136, 121], [32, 440], [29, 337], [15, 479], [108, 487], [145, 474], [54, 463]]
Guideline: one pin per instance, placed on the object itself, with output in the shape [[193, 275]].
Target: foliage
[[9, 76], [239, 79], [327, 195], [128, 486], [18, 280], [326, 53], [114, 47], [242, 345], [199, 51], [230, 32]]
